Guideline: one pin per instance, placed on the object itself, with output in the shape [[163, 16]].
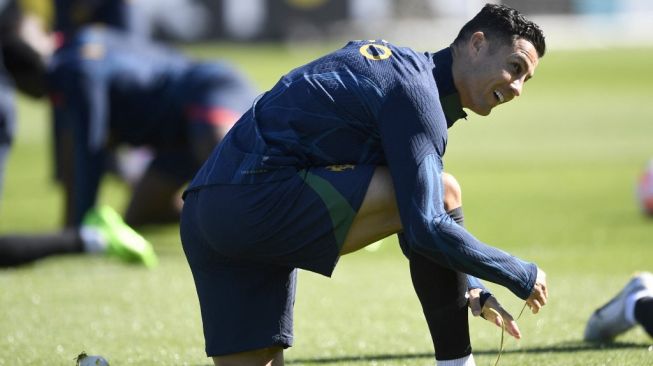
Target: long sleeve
[[413, 134]]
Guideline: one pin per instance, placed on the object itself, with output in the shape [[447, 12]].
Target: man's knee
[[453, 196], [272, 356]]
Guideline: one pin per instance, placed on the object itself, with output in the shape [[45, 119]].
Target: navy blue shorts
[[244, 244]]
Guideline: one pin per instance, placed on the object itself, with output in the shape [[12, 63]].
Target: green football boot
[[122, 241]]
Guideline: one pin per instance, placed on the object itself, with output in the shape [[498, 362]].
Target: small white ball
[[86, 360]]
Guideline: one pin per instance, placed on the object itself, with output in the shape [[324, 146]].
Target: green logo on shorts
[[340, 168]]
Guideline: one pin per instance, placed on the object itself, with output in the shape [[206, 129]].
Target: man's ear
[[477, 42]]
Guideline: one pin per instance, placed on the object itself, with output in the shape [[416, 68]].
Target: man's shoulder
[[381, 51], [384, 60]]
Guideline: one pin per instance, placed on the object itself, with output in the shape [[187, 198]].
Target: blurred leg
[[155, 200], [7, 125], [4, 152], [21, 249], [156, 197], [644, 314]]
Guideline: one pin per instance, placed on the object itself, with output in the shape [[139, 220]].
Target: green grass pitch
[[549, 177]]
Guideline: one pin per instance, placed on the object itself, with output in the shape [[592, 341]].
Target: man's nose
[[517, 86]]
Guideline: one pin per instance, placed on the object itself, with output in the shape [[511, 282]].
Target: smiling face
[[487, 75]]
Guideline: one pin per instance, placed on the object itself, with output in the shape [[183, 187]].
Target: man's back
[[324, 113]]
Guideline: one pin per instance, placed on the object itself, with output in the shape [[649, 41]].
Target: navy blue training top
[[369, 102]]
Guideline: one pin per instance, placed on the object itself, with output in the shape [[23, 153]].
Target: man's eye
[[516, 68]]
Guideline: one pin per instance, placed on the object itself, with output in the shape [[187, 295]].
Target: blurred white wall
[[417, 23], [370, 9], [179, 19], [244, 19]]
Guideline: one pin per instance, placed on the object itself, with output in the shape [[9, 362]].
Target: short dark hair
[[505, 24]]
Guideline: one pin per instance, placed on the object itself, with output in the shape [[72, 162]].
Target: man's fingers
[[475, 306], [535, 305], [513, 329], [540, 284], [475, 301], [494, 313], [510, 323], [540, 293], [491, 315], [476, 311]]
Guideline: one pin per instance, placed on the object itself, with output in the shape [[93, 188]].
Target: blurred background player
[[153, 19], [22, 44], [110, 88], [7, 107], [633, 305], [71, 15], [26, 47]]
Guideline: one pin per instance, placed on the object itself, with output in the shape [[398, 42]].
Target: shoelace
[[503, 330]]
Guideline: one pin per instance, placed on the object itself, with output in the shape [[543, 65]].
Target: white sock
[[630, 304], [463, 361], [94, 241]]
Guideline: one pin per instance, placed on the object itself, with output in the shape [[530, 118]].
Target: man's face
[[489, 76]]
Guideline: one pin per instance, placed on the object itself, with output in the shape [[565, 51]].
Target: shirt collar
[[449, 97]]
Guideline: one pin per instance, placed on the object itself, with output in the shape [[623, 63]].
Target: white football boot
[[612, 319]]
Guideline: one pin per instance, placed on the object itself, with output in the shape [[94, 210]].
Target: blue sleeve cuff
[[473, 282]]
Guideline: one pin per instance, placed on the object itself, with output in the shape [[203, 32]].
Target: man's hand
[[493, 312], [474, 301], [540, 293]]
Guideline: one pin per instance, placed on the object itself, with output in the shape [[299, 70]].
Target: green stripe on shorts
[[341, 213]]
